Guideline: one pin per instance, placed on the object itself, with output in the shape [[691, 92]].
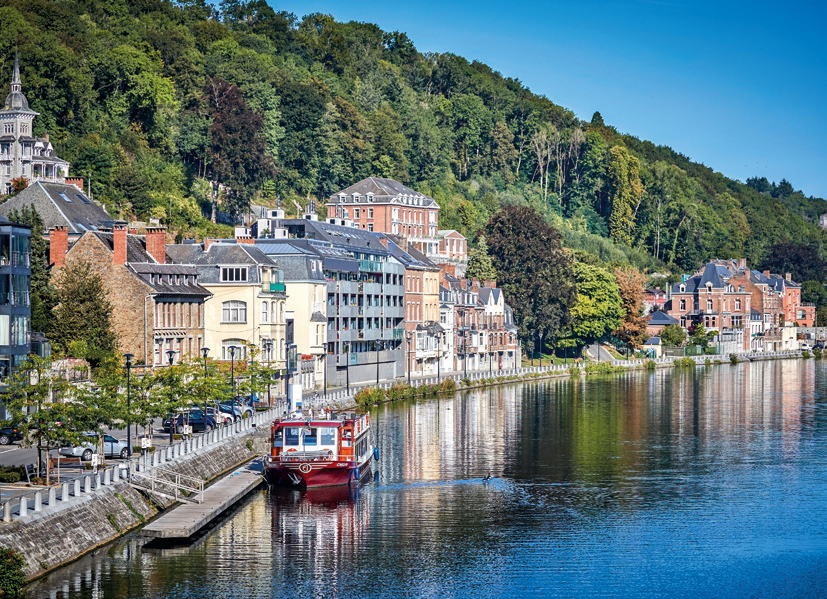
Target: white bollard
[[52, 496], [77, 487], [24, 505], [38, 501], [64, 492], [87, 484], [7, 511]]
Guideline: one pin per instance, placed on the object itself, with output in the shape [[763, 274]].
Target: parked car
[[9, 435], [220, 415], [196, 419], [112, 448], [237, 409], [806, 347]]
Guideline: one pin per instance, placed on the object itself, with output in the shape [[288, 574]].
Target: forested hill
[[153, 99]]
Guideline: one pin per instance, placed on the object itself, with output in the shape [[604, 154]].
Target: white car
[[806, 347], [112, 448]]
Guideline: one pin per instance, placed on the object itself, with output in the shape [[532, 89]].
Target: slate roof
[[60, 204], [351, 238], [294, 258], [661, 318], [383, 190], [487, 292], [653, 341], [135, 247], [221, 254]]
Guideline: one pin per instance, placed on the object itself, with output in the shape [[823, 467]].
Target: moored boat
[[319, 452]]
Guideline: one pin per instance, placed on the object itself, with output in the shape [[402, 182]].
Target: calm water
[[706, 483]]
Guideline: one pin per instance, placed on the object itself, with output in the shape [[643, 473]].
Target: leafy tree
[[83, 311], [631, 285], [672, 335], [813, 292], [238, 157], [698, 335], [480, 266], [533, 269], [598, 309], [626, 191], [798, 259]]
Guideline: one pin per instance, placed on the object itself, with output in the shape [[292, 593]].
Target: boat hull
[[316, 474]]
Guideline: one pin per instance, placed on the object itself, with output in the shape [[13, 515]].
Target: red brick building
[[157, 307]]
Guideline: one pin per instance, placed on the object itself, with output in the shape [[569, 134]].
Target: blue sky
[[738, 86]]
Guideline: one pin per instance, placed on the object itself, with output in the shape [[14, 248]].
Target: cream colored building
[[248, 304]]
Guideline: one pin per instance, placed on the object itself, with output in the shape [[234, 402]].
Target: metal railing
[[169, 483]]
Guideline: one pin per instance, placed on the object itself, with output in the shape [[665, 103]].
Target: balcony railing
[[274, 287], [370, 266]]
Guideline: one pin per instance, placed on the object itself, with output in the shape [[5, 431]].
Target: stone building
[[157, 307], [22, 155]]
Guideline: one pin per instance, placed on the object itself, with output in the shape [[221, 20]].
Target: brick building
[[157, 307]]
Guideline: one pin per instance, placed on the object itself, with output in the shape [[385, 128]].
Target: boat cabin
[[341, 438]]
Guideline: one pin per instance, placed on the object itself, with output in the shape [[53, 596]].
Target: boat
[[332, 449]]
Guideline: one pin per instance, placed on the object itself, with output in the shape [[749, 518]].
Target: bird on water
[[487, 478]]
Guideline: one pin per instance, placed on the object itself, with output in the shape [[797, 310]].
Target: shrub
[[447, 386], [12, 576], [681, 362], [400, 391], [602, 368], [733, 359], [574, 371], [466, 382], [369, 396], [113, 522], [805, 354], [9, 476], [817, 353], [650, 365]]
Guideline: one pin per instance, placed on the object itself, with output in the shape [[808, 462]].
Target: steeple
[[16, 101], [15, 78]]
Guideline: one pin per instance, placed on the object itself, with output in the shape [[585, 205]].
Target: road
[[605, 356]]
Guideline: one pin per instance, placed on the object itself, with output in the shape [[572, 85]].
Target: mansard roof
[[382, 191]]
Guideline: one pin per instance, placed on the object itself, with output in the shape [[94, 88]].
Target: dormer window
[[683, 288], [233, 275]]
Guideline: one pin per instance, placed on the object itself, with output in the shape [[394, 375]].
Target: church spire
[[15, 78]]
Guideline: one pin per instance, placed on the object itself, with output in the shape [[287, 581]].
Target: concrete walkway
[[187, 519]]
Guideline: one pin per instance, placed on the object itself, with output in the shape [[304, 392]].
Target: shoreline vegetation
[[374, 396]]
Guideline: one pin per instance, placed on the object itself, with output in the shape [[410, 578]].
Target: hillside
[[153, 100]]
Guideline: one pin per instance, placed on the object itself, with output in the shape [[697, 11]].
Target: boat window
[[291, 436], [310, 436], [328, 435], [278, 437]]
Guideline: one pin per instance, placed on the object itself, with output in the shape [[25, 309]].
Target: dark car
[[9, 435], [196, 420]]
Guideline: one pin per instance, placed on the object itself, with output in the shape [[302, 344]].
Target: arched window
[[281, 351], [234, 312], [273, 311], [709, 305], [240, 349], [265, 312], [281, 313]]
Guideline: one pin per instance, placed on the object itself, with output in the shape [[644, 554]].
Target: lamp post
[[170, 357], [232, 368], [268, 347], [204, 352], [533, 347], [490, 351], [540, 334], [438, 355], [128, 406], [376, 345], [408, 338], [461, 314]]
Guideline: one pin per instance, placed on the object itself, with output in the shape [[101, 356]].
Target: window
[[229, 275], [240, 352], [709, 305], [8, 128], [370, 212], [24, 128], [234, 312], [355, 213], [264, 312], [737, 304]]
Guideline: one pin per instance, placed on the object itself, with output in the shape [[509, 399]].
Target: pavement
[[604, 355]]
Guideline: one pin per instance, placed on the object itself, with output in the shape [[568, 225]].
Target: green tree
[[672, 335], [533, 270], [598, 309], [480, 266], [698, 335], [799, 259], [813, 292], [84, 312], [625, 193]]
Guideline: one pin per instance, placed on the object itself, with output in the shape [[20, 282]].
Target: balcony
[[273, 287], [370, 266]]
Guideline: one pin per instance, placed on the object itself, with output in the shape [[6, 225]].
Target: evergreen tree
[[625, 190], [84, 312], [480, 266]]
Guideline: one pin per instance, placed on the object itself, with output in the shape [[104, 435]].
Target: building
[[365, 301], [247, 301], [157, 307], [654, 299], [15, 305], [22, 155], [61, 205], [657, 321]]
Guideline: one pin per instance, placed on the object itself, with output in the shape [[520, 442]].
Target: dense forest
[[159, 103]]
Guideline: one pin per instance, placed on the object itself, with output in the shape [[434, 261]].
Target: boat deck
[[187, 519]]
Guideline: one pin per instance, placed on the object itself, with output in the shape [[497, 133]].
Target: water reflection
[[704, 482]]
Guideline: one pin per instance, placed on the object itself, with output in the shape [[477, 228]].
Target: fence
[[65, 494]]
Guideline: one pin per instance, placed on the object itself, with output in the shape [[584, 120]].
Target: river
[[706, 482]]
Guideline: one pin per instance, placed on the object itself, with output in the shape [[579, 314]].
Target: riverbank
[[56, 535]]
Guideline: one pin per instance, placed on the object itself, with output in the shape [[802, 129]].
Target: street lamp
[[438, 354], [268, 347], [128, 358], [533, 348], [461, 314], [204, 352], [490, 351], [232, 368], [171, 356], [540, 334], [376, 346], [408, 338]]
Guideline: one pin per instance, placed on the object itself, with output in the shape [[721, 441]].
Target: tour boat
[[331, 449]]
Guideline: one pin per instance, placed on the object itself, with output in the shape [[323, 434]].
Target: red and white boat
[[319, 452]]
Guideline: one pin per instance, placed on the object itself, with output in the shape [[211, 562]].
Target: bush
[[12, 576], [574, 371], [10, 475], [817, 353], [685, 362], [733, 359], [805, 354], [447, 386], [602, 368], [650, 365], [369, 396]]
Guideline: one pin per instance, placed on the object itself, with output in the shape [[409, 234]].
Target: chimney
[[245, 239], [384, 241], [156, 243], [788, 276], [475, 285], [742, 263], [58, 245], [119, 245], [46, 136], [76, 181], [208, 242], [767, 274]]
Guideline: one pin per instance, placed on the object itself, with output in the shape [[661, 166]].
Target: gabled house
[[61, 205], [158, 307]]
